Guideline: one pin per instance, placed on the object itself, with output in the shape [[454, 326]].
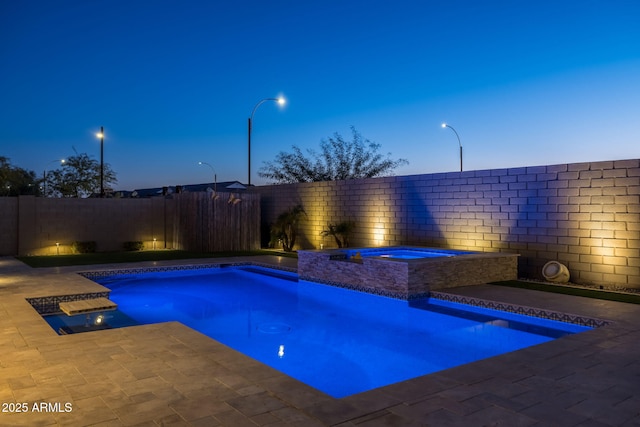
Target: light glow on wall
[[378, 234], [55, 248]]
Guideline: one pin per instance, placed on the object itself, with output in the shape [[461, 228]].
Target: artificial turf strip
[[568, 290], [120, 257]]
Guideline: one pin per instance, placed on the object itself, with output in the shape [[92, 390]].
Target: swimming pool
[[337, 340]]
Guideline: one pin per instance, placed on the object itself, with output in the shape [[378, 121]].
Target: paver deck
[[168, 374]]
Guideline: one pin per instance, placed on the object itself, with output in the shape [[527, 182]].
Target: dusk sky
[[524, 83]]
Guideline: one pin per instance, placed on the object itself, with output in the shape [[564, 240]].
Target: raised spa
[[405, 272]]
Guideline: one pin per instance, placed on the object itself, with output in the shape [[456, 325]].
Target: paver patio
[[168, 374]]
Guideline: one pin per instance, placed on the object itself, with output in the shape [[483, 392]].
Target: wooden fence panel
[[229, 222]]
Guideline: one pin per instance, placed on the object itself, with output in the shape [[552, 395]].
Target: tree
[[338, 159], [16, 181], [79, 176]]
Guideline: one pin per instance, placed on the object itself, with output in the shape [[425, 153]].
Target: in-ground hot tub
[[405, 272]]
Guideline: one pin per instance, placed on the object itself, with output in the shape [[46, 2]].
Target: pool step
[[292, 277], [76, 329], [494, 320], [87, 306]]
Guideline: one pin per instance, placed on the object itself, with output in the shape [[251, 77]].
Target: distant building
[[142, 193]]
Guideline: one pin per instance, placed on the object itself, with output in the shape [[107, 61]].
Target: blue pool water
[[404, 253], [339, 341], [64, 324]]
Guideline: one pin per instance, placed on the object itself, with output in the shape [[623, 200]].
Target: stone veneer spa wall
[[405, 278]]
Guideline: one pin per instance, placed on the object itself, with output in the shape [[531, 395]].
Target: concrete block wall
[[48, 226], [585, 215], [8, 225]]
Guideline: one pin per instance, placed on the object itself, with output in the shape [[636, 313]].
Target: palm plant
[[341, 232], [285, 228]]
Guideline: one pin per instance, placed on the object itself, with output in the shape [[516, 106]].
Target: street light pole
[[280, 101], [444, 125], [44, 176], [215, 176], [101, 136]]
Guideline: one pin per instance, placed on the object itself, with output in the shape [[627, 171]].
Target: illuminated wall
[[48, 226], [585, 215], [190, 221]]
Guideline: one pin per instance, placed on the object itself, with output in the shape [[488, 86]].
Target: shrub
[[83, 247], [133, 246]]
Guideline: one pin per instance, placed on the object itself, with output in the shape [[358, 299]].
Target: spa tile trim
[[521, 309], [51, 304], [122, 271]]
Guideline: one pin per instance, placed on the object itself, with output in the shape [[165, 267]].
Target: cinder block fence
[[190, 221], [585, 215]]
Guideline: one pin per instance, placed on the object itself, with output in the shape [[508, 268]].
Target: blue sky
[[524, 83]]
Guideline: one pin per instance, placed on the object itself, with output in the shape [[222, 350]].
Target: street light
[[44, 175], [281, 101], [101, 136], [444, 125], [215, 179]]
